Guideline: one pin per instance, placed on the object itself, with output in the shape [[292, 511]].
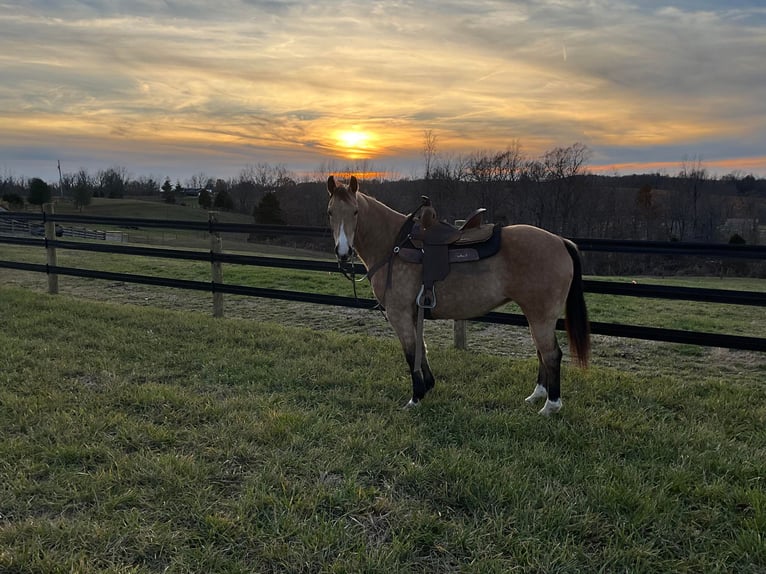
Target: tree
[[13, 199], [217, 187], [205, 200], [223, 201], [268, 211], [199, 180], [112, 182], [429, 151], [82, 189], [142, 186], [563, 165], [167, 191], [646, 207], [39, 192], [691, 181]]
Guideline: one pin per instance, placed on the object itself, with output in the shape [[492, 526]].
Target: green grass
[[146, 440], [149, 209], [688, 315], [158, 210]]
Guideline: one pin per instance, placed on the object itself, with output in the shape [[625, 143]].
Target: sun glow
[[355, 143], [353, 139]]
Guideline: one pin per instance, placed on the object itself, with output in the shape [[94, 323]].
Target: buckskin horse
[[418, 268]]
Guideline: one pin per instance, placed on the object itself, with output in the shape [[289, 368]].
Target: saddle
[[436, 244]]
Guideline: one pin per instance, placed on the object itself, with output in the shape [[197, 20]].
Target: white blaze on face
[[343, 248]]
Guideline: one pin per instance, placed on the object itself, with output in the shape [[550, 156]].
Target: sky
[[170, 88]]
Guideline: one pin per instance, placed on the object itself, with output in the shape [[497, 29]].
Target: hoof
[[550, 408], [537, 394], [412, 404]]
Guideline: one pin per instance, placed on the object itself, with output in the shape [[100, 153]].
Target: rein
[[349, 272]]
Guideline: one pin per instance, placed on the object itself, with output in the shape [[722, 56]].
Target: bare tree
[[429, 151], [244, 190], [82, 189], [537, 202], [563, 165], [112, 181], [198, 180], [691, 180]]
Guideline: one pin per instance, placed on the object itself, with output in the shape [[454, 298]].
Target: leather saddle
[[437, 244]]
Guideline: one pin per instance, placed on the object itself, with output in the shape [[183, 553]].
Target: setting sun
[[352, 139], [355, 143]]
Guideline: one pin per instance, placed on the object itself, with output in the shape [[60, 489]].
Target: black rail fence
[[9, 234]]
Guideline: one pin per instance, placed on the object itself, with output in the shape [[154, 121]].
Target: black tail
[[577, 325]]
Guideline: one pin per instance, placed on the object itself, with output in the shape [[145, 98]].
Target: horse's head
[[342, 209]]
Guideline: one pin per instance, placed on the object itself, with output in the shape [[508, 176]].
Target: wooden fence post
[[216, 247], [50, 250], [459, 334]]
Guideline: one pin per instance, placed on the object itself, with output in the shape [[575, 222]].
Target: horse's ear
[[353, 184], [330, 185]]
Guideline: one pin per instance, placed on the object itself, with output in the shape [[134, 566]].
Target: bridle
[[402, 237]]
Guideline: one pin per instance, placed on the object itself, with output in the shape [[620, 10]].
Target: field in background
[[138, 439], [626, 353]]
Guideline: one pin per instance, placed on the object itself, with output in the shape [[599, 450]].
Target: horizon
[[174, 91]]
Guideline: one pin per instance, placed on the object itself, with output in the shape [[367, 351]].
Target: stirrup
[[419, 298]]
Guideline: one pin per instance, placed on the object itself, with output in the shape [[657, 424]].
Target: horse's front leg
[[404, 325], [422, 379]]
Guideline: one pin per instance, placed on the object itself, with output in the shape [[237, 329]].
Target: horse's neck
[[376, 230]]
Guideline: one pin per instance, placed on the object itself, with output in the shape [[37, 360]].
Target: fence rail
[[50, 243]]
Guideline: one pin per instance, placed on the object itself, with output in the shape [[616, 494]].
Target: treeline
[[79, 187], [554, 191]]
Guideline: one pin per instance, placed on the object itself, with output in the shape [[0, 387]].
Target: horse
[[540, 271]]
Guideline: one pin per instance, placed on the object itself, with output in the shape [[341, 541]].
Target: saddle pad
[[490, 245]]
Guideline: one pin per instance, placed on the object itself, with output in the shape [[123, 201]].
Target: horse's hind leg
[[549, 355], [540, 391]]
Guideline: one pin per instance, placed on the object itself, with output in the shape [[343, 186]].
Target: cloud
[[275, 79]]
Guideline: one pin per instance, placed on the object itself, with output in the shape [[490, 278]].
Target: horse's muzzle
[[345, 257]]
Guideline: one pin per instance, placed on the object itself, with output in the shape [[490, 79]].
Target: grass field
[[137, 434], [137, 439]]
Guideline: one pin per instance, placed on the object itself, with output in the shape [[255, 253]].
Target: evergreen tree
[[268, 211], [204, 199], [167, 191], [39, 191], [223, 200]]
